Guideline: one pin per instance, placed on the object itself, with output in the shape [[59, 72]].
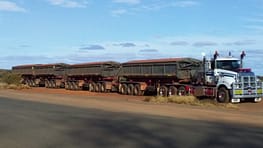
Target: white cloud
[[132, 2], [118, 12], [10, 6], [159, 5], [68, 3], [185, 3]]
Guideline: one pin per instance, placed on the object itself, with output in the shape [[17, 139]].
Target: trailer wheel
[[34, 83], [91, 87], [172, 91], [53, 84], [223, 95], [130, 89], [136, 90], [98, 87], [75, 86], [163, 91], [66, 85], [181, 91], [124, 89], [70, 86], [103, 87], [46, 84]]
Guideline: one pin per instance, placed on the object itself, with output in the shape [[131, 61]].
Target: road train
[[222, 78]]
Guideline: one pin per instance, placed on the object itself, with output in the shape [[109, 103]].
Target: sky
[[79, 31]]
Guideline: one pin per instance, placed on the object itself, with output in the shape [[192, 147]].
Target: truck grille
[[247, 86], [248, 82]]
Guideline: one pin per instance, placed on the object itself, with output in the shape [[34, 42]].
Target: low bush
[[190, 100], [10, 78]]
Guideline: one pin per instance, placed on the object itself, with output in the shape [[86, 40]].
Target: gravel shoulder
[[248, 113]]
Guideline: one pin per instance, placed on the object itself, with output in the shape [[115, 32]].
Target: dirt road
[[25, 124], [248, 113]]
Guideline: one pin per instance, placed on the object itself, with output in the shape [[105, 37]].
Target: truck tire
[[91, 87], [66, 85], [163, 91], [97, 87], [46, 84], [223, 95], [75, 86], [181, 91], [137, 90], [172, 91], [103, 87], [124, 88], [53, 84], [130, 89], [70, 86]]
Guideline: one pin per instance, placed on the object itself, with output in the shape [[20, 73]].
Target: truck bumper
[[237, 100], [239, 94]]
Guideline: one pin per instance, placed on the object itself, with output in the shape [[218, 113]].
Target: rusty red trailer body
[[48, 75], [132, 78], [138, 76], [96, 76]]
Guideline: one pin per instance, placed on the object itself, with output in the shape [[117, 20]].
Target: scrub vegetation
[[190, 100], [8, 80]]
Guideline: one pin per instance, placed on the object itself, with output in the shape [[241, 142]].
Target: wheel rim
[[173, 91], [163, 91], [181, 91], [103, 88], [221, 96]]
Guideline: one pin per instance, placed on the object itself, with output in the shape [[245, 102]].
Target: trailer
[[51, 75], [26, 72], [94, 76], [48, 75], [161, 75]]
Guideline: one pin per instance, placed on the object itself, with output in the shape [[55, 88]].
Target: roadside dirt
[[248, 113]]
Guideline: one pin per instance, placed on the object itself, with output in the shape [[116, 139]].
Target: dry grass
[[190, 100], [13, 86]]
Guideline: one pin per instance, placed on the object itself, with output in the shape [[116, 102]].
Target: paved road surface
[[26, 124]]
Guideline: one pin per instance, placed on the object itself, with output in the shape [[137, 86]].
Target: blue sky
[[77, 31]]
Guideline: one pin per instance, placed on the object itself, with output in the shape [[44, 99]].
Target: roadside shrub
[[190, 100], [10, 78], [17, 87], [174, 99]]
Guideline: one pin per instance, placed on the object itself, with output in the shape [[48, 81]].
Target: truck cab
[[233, 82]]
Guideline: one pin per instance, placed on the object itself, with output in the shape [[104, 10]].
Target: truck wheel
[[223, 95], [53, 84], [66, 85], [163, 91], [103, 87], [130, 89], [31, 83], [70, 86], [136, 90], [172, 91], [97, 87], [181, 91], [124, 89], [46, 84], [75, 86], [91, 87]]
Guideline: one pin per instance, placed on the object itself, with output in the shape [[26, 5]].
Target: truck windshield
[[232, 65]]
